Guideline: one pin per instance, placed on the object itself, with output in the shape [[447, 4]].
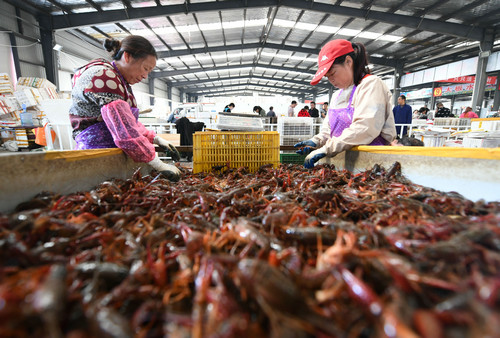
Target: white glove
[[171, 172], [168, 148]]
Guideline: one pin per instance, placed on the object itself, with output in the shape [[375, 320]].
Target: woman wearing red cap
[[360, 114]]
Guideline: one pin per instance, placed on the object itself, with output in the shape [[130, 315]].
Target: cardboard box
[[174, 139]]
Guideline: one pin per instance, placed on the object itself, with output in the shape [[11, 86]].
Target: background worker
[[291, 108], [442, 111], [360, 113], [304, 112], [402, 115], [468, 113], [313, 111], [104, 111], [324, 110], [229, 108], [259, 111], [271, 112]]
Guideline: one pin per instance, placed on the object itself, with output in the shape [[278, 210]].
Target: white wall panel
[[30, 25], [69, 62], [441, 73], [73, 45], [454, 69], [469, 66], [429, 74], [176, 95], [418, 77], [7, 18], [406, 80], [493, 62], [6, 65], [28, 69]]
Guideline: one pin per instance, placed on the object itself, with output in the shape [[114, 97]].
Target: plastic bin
[[224, 150], [295, 129], [26, 119], [292, 158]]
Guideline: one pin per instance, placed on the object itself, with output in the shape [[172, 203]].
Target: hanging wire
[[17, 46]]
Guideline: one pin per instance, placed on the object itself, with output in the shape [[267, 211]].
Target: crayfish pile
[[283, 252]]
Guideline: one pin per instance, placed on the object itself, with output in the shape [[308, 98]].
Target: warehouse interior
[[229, 221], [209, 48]]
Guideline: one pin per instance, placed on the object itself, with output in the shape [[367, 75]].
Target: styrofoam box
[[239, 123], [482, 140], [433, 140], [485, 125], [57, 111]]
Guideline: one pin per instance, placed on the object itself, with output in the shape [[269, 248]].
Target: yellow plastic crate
[[224, 150]]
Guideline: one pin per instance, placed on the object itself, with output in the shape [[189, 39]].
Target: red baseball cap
[[328, 54]]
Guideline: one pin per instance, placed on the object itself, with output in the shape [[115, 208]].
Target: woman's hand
[[314, 157], [306, 147], [171, 172], [167, 147]]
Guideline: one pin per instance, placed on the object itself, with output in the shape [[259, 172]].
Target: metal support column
[[452, 104], [13, 43], [15, 54], [47, 39], [433, 98], [496, 97], [151, 85], [330, 93], [398, 71], [181, 95], [169, 96], [485, 47]]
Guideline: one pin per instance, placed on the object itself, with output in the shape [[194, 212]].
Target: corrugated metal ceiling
[[271, 45]]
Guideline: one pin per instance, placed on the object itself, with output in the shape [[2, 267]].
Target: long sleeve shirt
[[372, 117]]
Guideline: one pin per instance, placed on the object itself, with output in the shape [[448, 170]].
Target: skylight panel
[[392, 38], [369, 35], [283, 23], [327, 29], [289, 57], [349, 32], [244, 23], [306, 26]]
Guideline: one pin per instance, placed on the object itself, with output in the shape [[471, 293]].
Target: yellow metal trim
[[77, 155], [480, 153], [485, 119]]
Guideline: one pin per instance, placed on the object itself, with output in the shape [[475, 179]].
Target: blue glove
[[314, 157], [307, 147]]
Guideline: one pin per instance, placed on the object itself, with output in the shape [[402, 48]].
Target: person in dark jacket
[[402, 114], [187, 128], [313, 111], [442, 111], [271, 112]]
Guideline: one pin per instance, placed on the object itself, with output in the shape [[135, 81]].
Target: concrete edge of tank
[[24, 175], [473, 178]]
